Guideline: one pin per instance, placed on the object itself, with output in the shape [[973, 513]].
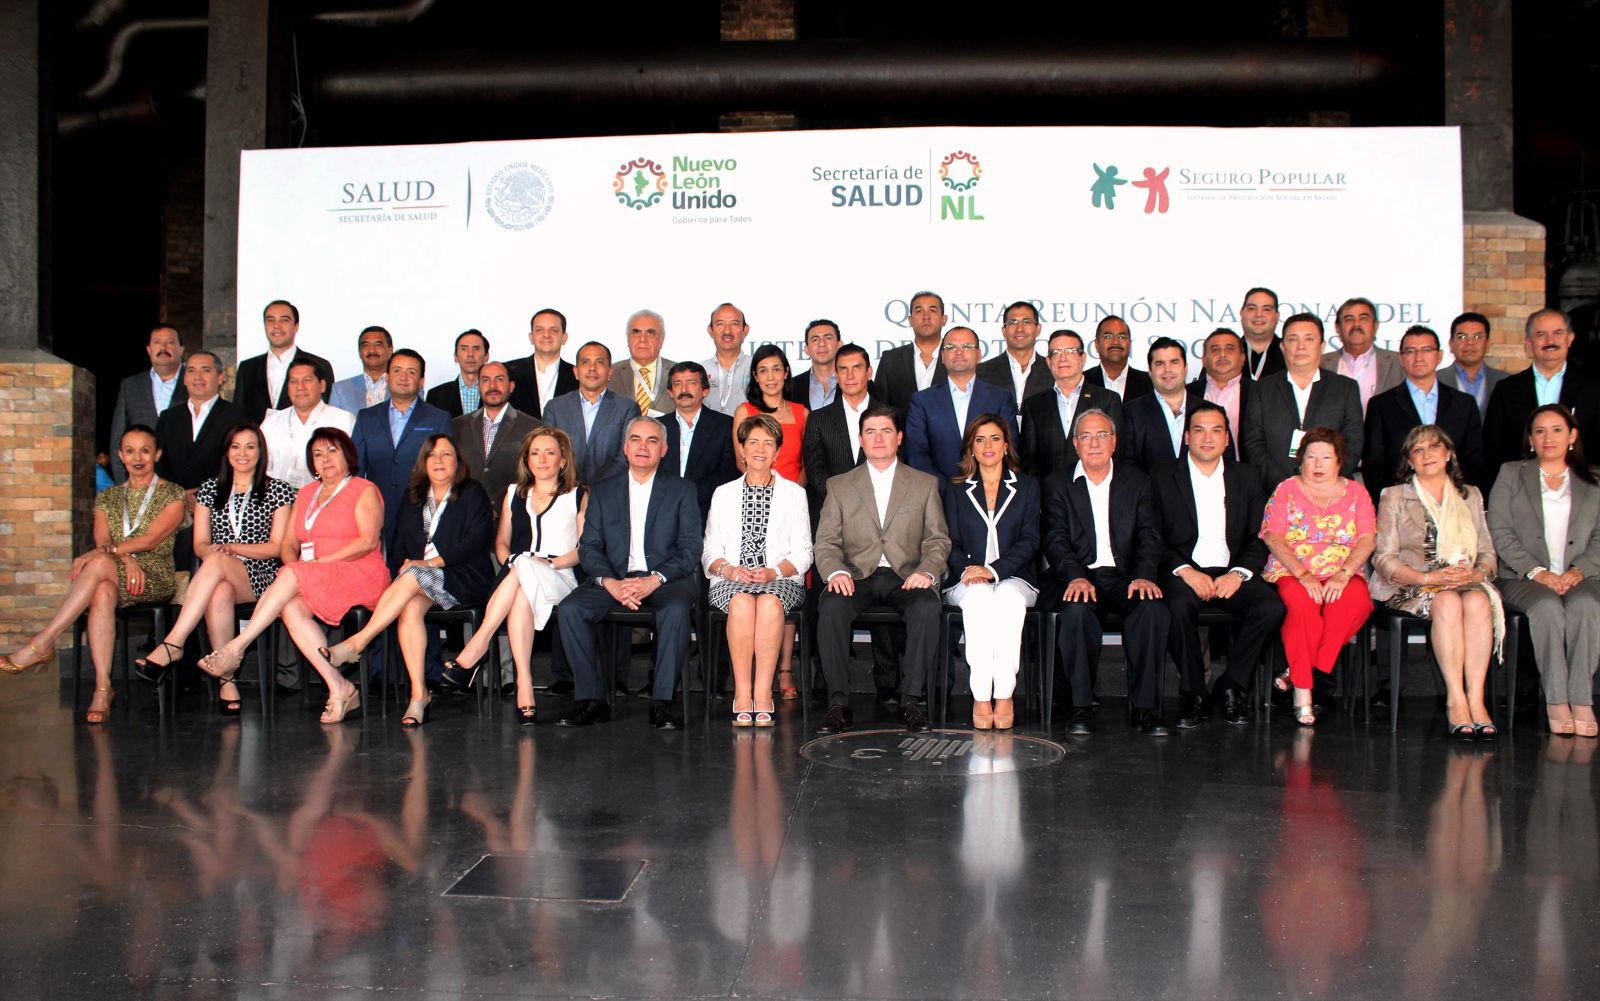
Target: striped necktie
[[641, 391]]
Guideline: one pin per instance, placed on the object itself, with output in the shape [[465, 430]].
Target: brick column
[[1504, 279], [757, 21]]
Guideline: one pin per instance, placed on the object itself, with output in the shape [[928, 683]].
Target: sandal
[[1485, 731], [416, 713], [102, 714], [1306, 716], [764, 717], [221, 664], [1587, 728], [787, 692], [1280, 681], [743, 717], [527, 715], [152, 672], [339, 654], [229, 707], [338, 708], [1561, 727], [10, 666], [1464, 732]]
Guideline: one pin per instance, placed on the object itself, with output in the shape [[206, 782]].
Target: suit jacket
[[1390, 374], [1335, 402], [997, 372], [388, 463], [895, 378], [672, 536], [1245, 499], [464, 539], [1391, 416], [525, 394], [622, 383], [250, 383], [1197, 387], [1069, 541], [136, 404], [798, 390], [1272, 363], [1491, 379], [447, 397], [1514, 399], [599, 454], [711, 462], [498, 470], [1149, 441], [933, 439], [828, 450], [1402, 537], [852, 539], [350, 394], [1047, 447], [189, 460], [1016, 528], [1138, 383], [1516, 522]]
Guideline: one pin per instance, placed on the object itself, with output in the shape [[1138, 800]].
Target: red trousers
[[1313, 634]]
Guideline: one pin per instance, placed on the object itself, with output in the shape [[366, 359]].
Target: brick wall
[[757, 21], [1504, 279], [183, 246]]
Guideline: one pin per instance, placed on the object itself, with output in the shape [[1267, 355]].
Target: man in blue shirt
[[1422, 398], [1550, 379]]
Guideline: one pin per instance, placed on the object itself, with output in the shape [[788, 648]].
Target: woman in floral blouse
[[1321, 530]]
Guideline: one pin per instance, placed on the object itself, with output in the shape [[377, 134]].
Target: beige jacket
[[1403, 531], [850, 537]]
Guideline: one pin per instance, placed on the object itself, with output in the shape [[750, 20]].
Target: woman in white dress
[[540, 523]]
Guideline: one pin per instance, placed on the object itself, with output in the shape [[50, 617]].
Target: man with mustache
[[144, 397], [699, 439], [1551, 379], [729, 369]]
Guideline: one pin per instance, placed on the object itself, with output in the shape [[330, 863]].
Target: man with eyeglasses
[[1047, 417], [1375, 370], [1550, 379], [1422, 399], [1019, 370], [940, 414], [816, 388], [907, 370], [1103, 546], [1112, 339], [1469, 343]]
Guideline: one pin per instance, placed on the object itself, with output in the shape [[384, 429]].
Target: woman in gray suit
[[1544, 514]]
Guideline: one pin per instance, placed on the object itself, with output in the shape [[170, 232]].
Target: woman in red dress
[[769, 374]]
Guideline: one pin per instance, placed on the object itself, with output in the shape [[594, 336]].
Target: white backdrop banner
[[1165, 227]]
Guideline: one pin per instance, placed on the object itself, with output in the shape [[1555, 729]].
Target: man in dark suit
[[192, 437], [1211, 518], [1102, 541], [1278, 418], [1469, 345], [388, 436], [1019, 370], [1551, 379], [1156, 420], [461, 394], [542, 376], [1422, 398], [1263, 353], [258, 385], [490, 438], [708, 461], [940, 415], [1112, 342], [1224, 381], [906, 370], [640, 549], [817, 387], [594, 416], [1046, 441], [144, 397]]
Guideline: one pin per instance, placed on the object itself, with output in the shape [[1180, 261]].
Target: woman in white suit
[[757, 551]]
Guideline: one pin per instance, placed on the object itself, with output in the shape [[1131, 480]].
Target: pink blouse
[[1321, 538]]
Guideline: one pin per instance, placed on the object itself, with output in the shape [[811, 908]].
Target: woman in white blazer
[[757, 551]]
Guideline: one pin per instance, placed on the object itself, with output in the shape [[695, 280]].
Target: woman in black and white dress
[[757, 551]]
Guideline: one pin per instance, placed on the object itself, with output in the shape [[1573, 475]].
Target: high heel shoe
[[416, 713], [1005, 714], [527, 715], [458, 677], [226, 706], [10, 666], [787, 692], [763, 717], [340, 654], [152, 672], [744, 717], [1586, 728], [1561, 727], [340, 707], [104, 713], [221, 663], [982, 715]]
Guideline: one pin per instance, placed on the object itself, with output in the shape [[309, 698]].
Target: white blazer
[[788, 526]]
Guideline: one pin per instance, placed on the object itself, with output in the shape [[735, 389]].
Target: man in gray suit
[[490, 438], [1469, 343], [142, 397], [1374, 369], [370, 386], [882, 540], [594, 416], [1284, 406], [643, 378]]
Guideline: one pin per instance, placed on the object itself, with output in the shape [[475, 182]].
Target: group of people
[[1117, 498]]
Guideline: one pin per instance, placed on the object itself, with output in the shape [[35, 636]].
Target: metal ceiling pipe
[[116, 57], [381, 18]]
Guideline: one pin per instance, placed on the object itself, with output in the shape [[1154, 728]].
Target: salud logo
[[520, 196], [640, 183], [960, 171]]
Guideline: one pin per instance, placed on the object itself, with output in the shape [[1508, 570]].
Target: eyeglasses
[[960, 347], [1088, 437], [1409, 352], [1065, 352], [1110, 336], [1020, 322]]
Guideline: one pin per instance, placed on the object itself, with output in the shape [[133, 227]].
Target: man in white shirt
[[1020, 369], [259, 381], [1375, 370], [1155, 421], [907, 370], [643, 379], [729, 368], [288, 430], [543, 375], [144, 397], [1112, 342], [1211, 518], [370, 386]]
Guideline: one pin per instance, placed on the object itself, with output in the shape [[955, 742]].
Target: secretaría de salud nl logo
[[640, 183], [520, 196]]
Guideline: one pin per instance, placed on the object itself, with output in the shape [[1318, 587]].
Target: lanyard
[[144, 505], [1255, 373], [429, 550], [316, 509], [236, 506]]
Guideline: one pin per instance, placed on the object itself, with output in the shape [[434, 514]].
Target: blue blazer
[[1017, 528], [387, 463], [600, 453], [672, 529], [933, 441], [349, 394], [464, 539]]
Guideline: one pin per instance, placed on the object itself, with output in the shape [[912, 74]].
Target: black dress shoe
[[661, 716], [457, 677], [888, 698], [586, 713], [913, 718], [836, 721], [1230, 702], [1150, 723], [561, 686], [620, 688], [1380, 699], [1190, 714], [1080, 723]]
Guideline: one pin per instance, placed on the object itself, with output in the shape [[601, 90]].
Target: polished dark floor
[[195, 858]]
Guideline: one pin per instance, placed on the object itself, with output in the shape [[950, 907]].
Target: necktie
[[489, 428], [641, 389]]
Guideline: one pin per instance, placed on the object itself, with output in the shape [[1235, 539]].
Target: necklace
[[1333, 494]]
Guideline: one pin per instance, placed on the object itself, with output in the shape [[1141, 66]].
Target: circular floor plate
[[938, 753]]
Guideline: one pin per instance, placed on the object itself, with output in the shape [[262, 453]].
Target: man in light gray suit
[[1469, 343], [141, 398], [1374, 369], [370, 386], [594, 416], [490, 438], [643, 377], [1285, 405]]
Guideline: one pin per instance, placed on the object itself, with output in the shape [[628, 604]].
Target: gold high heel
[[10, 666], [100, 715], [1005, 714]]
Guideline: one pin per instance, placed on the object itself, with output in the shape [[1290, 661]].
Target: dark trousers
[[583, 609], [1144, 638], [886, 641], [1255, 607], [836, 615]]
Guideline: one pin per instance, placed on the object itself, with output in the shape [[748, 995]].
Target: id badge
[[1294, 442], [308, 552]]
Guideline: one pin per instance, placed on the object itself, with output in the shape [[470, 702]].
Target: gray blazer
[[1402, 537], [1390, 374], [136, 404], [499, 470], [622, 384], [1516, 521], [599, 454], [350, 394], [850, 538], [1272, 417], [1491, 379]]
